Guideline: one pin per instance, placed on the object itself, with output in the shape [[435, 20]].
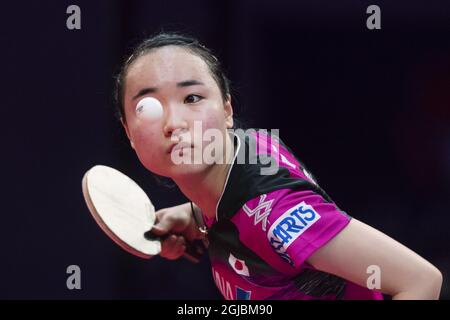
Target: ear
[[125, 126], [228, 109]]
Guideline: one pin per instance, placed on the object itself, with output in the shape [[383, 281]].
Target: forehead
[[168, 64]]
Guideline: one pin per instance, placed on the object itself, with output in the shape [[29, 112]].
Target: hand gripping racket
[[125, 213]]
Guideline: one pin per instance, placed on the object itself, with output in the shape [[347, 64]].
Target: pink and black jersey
[[267, 225]]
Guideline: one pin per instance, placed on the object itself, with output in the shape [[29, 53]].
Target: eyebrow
[[182, 84]]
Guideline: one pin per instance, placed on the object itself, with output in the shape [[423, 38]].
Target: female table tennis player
[[271, 236]]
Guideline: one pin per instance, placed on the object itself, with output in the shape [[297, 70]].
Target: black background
[[367, 111]]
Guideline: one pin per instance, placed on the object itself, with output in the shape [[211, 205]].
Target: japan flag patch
[[238, 265]]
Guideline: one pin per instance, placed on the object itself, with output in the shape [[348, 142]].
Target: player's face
[[190, 98]]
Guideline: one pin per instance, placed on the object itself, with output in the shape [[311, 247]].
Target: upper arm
[[359, 246]]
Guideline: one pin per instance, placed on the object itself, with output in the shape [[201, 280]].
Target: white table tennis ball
[[149, 108]]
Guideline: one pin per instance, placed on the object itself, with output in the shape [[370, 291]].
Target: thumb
[[161, 228]]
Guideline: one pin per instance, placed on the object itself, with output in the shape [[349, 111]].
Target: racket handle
[[194, 249], [150, 236]]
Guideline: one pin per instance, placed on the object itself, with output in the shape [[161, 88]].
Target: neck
[[206, 187]]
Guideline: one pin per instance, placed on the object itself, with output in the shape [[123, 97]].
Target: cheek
[[214, 118], [147, 144], [143, 137], [204, 122]]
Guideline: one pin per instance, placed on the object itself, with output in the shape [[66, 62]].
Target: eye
[[193, 98]]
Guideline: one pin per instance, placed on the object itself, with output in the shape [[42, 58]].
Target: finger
[[162, 227], [168, 247], [159, 215], [168, 244], [173, 247], [182, 251], [180, 241], [180, 247]]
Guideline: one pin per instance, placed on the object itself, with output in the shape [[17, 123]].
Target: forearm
[[429, 290], [416, 295], [403, 273]]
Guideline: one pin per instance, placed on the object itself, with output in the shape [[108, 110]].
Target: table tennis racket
[[125, 213]]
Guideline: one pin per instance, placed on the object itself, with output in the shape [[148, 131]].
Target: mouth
[[179, 146]]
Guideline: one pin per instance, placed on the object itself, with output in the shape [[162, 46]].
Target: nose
[[173, 120]]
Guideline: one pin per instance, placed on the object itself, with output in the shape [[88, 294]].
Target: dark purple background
[[367, 111]]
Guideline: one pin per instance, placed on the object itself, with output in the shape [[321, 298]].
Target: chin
[[185, 170]]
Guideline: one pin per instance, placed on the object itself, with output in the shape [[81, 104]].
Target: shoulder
[[290, 224], [263, 164]]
